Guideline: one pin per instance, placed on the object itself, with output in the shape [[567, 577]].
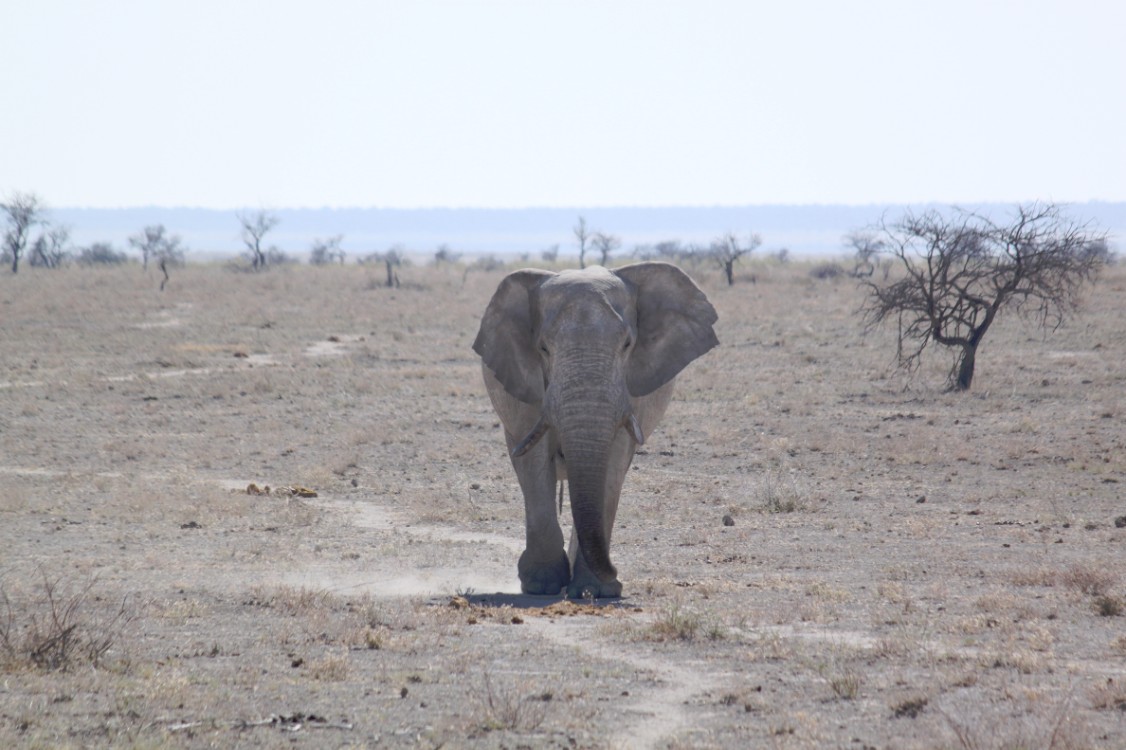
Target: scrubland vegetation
[[818, 549]]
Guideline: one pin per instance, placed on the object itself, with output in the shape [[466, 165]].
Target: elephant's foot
[[595, 590], [584, 585], [544, 577]]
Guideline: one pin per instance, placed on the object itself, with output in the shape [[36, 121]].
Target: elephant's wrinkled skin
[[580, 367]]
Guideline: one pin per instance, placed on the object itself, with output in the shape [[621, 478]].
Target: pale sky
[[277, 104]]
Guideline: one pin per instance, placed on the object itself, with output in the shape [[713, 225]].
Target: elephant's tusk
[[533, 437], [634, 428]]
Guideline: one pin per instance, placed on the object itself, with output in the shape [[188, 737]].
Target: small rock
[[190, 525], [921, 499], [1120, 522], [728, 520]]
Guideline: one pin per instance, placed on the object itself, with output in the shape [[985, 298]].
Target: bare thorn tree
[[866, 246], [727, 251], [50, 249], [605, 244], [962, 269], [670, 250], [583, 235], [391, 259], [146, 241], [254, 228], [155, 243], [23, 211], [446, 254], [327, 251]]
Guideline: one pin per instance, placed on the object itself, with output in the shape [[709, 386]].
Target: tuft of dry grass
[[845, 684], [677, 623], [1043, 727], [510, 707], [1034, 576], [1089, 578], [291, 600], [909, 708], [1109, 695], [321, 616], [778, 493], [1022, 661], [1109, 606], [329, 668]]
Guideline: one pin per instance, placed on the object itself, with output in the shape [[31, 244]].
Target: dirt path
[[481, 574], [656, 710]]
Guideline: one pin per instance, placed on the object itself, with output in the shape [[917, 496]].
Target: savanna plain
[[817, 551]]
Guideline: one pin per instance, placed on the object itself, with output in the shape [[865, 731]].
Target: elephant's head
[[578, 345]]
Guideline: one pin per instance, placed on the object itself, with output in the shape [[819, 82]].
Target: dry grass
[[515, 707], [331, 667], [1109, 606], [962, 547], [778, 493], [1049, 724], [678, 622], [60, 625], [1109, 695], [1089, 578]]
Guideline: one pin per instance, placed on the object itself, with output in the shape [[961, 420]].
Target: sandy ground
[[907, 568]]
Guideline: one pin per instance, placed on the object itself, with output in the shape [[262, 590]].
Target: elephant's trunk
[[586, 459], [586, 427]]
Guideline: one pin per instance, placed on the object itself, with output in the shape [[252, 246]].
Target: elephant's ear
[[505, 338], [674, 324]]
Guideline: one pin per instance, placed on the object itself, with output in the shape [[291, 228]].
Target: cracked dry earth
[[901, 568]]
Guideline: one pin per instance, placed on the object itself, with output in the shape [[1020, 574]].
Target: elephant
[[580, 366]]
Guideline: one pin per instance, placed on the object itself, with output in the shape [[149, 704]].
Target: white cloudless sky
[[513, 103]]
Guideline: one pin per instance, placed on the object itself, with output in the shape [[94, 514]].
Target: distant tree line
[[26, 213]]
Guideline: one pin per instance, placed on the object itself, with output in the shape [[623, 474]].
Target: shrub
[[58, 629], [101, 254], [828, 270]]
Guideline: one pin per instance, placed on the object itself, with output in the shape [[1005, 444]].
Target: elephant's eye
[[543, 348], [627, 345]]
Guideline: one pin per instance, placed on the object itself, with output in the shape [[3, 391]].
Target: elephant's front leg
[[543, 567]]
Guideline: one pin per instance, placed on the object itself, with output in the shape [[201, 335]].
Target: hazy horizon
[[810, 230]]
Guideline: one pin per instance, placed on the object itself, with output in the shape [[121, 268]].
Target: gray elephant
[[580, 366]]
